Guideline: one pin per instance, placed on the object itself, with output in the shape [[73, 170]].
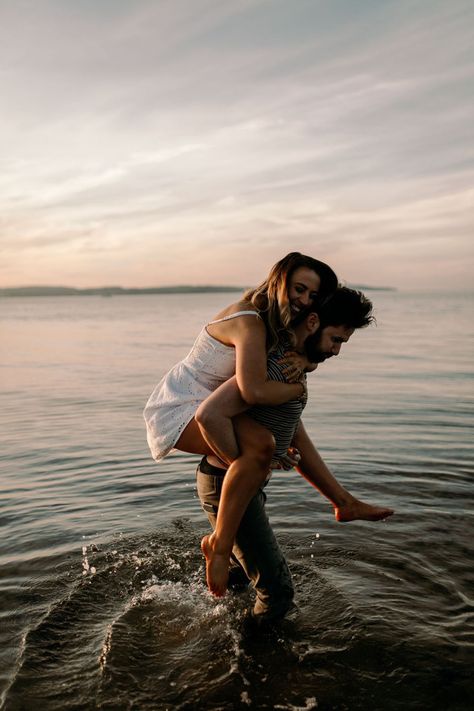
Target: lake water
[[103, 601]]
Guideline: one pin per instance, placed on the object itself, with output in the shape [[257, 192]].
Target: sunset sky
[[150, 143]]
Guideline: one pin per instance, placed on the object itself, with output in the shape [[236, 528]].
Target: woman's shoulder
[[238, 307], [240, 313], [243, 306]]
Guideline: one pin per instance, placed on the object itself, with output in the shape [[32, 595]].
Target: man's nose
[[336, 348]]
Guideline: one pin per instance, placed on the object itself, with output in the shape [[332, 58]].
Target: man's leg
[[255, 547]]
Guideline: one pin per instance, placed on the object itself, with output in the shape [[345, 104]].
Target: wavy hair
[[270, 298], [346, 307]]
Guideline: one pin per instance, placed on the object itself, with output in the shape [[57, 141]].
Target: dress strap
[[237, 313]]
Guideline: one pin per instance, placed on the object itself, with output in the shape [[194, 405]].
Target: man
[[256, 550]]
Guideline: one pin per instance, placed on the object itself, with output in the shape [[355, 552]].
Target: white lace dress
[[174, 401]]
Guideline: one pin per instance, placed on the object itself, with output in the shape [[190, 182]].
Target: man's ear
[[312, 322]]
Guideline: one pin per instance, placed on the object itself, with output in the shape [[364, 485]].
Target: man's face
[[330, 340]]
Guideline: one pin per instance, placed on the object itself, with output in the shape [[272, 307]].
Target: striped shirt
[[282, 420]]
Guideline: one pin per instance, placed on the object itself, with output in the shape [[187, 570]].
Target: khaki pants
[[256, 549]]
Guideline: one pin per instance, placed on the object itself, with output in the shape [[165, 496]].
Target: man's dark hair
[[346, 307]]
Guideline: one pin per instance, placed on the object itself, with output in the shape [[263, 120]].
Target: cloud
[[208, 129]]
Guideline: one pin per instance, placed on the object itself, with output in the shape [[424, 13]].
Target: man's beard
[[313, 349]]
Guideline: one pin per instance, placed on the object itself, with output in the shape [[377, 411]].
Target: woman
[[236, 342]]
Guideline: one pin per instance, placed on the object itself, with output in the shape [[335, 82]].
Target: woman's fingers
[[292, 370], [293, 365]]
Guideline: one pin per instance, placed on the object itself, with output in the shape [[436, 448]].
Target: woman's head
[[293, 284]]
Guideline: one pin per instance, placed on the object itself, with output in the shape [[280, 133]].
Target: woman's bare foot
[[217, 567], [356, 510]]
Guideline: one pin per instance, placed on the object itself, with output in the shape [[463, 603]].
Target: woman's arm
[[248, 336], [249, 385]]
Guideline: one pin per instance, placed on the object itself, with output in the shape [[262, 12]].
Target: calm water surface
[[103, 601]]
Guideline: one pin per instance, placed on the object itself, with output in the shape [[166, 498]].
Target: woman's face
[[302, 289]]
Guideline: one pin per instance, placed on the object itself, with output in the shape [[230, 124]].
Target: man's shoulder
[[278, 351]]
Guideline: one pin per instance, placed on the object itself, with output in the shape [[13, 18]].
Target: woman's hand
[[294, 365]]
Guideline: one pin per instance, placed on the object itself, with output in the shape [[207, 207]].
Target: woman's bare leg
[[314, 469], [242, 481], [192, 441], [211, 431], [214, 417]]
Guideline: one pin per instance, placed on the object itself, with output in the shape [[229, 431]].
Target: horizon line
[[52, 290]]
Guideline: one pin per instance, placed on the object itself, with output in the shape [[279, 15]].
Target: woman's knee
[[201, 415], [205, 416]]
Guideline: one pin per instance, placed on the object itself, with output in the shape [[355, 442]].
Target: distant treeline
[[119, 291], [112, 290]]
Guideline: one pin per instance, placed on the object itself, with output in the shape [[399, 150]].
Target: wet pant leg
[[256, 548]]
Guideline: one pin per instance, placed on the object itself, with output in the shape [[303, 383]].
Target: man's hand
[[288, 461]]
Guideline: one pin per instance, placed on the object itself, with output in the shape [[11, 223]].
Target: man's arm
[[313, 468]]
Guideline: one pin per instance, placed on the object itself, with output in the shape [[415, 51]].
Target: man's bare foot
[[217, 567], [356, 510]]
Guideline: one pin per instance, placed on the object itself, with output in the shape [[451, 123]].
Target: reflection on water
[[103, 601], [143, 628]]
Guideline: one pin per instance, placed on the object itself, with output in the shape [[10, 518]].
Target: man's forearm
[[313, 468]]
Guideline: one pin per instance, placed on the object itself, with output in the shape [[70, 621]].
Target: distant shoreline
[[120, 291], [112, 290]]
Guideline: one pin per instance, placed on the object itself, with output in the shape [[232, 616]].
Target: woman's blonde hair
[[270, 298]]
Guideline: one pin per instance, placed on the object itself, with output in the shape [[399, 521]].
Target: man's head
[[344, 312]]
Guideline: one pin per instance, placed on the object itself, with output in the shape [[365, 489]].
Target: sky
[[161, 142]]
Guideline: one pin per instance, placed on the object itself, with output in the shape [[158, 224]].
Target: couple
[[255, 355]]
